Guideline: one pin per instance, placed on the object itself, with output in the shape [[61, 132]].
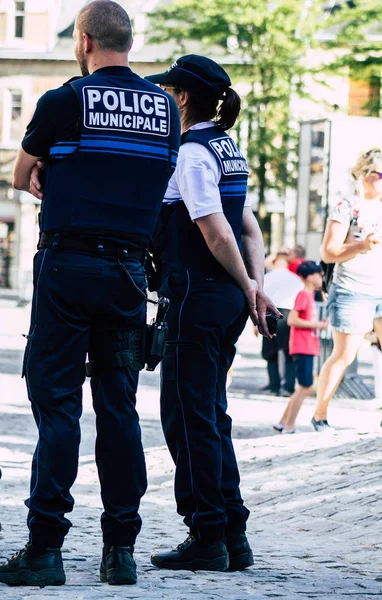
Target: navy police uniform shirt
[[210, 177], [111, 140], [56, 118]]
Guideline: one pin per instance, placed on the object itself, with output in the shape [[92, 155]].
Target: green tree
[[264, 44], [356, 32]]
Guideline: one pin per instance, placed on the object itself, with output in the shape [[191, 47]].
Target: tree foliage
[[265, 44], [357, 30]]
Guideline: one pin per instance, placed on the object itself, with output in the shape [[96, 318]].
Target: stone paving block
[[316, 518]]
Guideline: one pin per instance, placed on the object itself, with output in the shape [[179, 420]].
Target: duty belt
[[97, 245]]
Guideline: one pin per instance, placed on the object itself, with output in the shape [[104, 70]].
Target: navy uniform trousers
[[205, 319], [76, 298]]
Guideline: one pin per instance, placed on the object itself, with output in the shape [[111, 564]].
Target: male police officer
[[112, 140]]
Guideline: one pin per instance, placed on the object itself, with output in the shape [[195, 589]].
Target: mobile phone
[[272, 321]]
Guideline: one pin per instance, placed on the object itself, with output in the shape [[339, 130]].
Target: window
[[317, 200], [365, 95], [15, 126], [19, 18]]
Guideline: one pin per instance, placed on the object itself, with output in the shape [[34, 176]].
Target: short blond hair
[[365, 162]]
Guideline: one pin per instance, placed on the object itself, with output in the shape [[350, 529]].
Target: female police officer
[[204, 223]]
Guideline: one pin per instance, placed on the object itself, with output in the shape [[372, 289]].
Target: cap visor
[[158, 78]]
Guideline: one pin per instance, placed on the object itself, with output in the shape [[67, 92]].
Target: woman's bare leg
[[346, 346], [378, 329], [378, 374]]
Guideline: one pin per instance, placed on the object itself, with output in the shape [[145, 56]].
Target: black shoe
[[264, 388], [274, 393], [34, 566], [239, 550], [320, 425], [194, 555], [278, 428], [118, 565]]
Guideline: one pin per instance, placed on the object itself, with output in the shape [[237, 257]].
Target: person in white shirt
[[352, 240], [282, 286]]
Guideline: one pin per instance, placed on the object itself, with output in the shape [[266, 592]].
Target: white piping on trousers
[[180, 398]]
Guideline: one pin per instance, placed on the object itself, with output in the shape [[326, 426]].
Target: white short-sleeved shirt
[[362, 273], [196, 179], [282, 286]]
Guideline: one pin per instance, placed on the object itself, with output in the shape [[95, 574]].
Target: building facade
[[36, 54]]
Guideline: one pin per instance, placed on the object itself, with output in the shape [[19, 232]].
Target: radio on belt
[[156, 336]]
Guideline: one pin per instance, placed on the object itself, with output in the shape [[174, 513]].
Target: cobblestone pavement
[[315, 523]]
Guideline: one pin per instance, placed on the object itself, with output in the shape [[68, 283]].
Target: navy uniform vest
[[183, 245], [112, 181]]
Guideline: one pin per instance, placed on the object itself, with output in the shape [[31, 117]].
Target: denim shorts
[[352, 312]]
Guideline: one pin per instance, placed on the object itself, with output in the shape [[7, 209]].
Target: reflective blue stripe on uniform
[[62, 149], [105, 145], [146, 150], [124, 153], [239, 187], [118, 137], [229, 194], [233, 184]]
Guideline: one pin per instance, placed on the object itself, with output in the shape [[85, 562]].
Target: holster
[[156, 336], [146, 346], [132, 357]]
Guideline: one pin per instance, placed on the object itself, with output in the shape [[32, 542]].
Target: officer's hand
[[250, 295], [35, 187], [264, 306]]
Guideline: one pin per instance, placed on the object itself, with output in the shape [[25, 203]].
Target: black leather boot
[[239, 550], [118, 565], [34, 566], [194, 555]]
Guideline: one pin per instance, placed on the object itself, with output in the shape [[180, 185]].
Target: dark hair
[[207, 108], [107, 23], [229, 109]]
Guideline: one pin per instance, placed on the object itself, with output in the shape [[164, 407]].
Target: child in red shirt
[[304, 343]]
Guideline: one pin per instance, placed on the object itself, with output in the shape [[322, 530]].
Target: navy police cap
[[308, 267], [195, 73]]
